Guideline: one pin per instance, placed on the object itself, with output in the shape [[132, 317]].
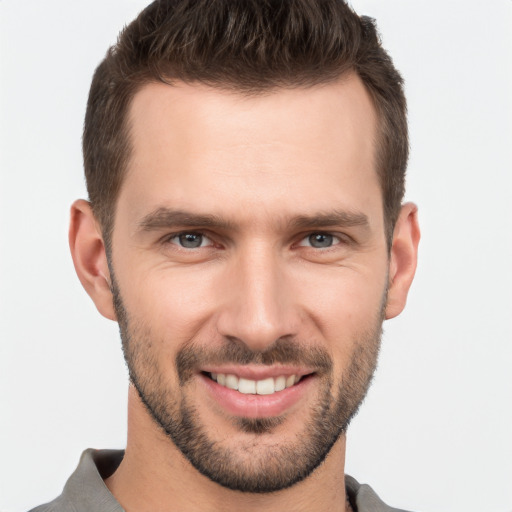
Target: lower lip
[[257, 406]]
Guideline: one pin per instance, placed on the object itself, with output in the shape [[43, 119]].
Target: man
[[245, 166]]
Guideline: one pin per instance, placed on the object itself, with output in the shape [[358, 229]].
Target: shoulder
[[59, 504], [50, 507], [85, 490], [364, 499]]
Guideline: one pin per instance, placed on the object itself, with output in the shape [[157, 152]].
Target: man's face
[[249, 252]]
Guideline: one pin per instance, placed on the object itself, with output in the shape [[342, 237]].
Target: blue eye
[[190, 240], [320, 240]]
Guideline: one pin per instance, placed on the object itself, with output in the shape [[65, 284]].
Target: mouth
[[243, 392], [267, 386]]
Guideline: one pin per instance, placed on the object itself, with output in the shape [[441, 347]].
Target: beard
[[257, 464]]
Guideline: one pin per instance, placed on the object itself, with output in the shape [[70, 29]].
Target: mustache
[[191, 358]]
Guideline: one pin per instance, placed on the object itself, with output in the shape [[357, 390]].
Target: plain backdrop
[[435, 433]]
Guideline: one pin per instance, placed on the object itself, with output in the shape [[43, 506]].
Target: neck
[[154, 475]]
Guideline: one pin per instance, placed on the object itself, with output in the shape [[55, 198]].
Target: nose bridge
[[259, 309]]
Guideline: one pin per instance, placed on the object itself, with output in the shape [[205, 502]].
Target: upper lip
[[258, 372]]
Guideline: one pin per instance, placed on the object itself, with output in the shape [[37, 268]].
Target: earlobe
[[89, 257], [403, 259]]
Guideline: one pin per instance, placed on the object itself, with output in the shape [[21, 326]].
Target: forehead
[[198, 147]]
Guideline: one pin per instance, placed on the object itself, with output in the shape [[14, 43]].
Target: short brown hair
[[248, 46]]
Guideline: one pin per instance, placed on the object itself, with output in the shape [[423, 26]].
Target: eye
[[190, 240], [320, 240]]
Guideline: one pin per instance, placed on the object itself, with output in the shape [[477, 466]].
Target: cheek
[[343, 296], [336, 305], [346, 308], [173, 304]]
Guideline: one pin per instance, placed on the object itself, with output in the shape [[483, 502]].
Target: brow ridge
[[164, 217], [340, 218]]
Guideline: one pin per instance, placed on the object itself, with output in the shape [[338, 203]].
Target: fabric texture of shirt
[[85, 490]]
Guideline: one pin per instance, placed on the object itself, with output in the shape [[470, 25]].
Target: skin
[[258, 163]]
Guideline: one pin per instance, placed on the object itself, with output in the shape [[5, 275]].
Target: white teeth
[[255, 387], [290, 381], [232, 382], [265, 387], [247, 387], [280, 383]]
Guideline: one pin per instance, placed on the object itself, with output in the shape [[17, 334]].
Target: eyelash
[[322, 234], [338, 239], [169, 238]]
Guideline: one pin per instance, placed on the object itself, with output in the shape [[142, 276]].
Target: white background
[[435, 433]]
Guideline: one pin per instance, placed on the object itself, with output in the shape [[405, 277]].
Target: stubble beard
[[255, 465]]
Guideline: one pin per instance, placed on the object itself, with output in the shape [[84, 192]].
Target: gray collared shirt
[[85, 491]]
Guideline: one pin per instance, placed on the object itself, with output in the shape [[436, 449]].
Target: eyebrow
[[168, 218], [162, 218], [338, 218]]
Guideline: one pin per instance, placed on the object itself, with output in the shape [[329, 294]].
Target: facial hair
[[254, 466]]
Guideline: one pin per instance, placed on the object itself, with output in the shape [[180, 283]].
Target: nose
[[258, 305]]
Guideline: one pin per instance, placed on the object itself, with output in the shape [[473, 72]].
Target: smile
[[257, 393], [266, 386]]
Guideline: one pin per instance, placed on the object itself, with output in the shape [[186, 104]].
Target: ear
[[403, 259], [90, 258]]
